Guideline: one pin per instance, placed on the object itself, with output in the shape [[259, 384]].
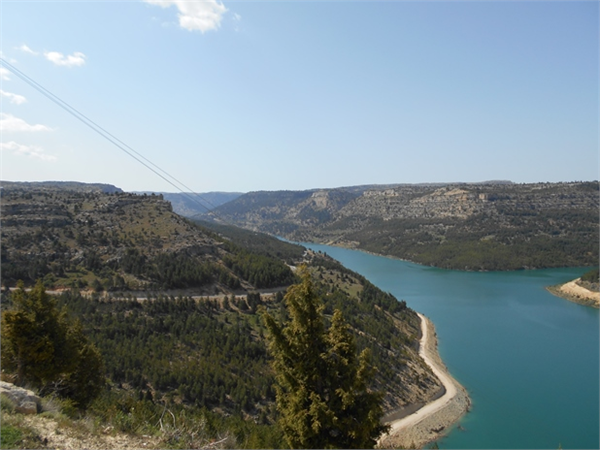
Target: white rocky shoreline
[[434, 419]]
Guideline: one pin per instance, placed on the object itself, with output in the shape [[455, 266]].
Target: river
[[529, 360]]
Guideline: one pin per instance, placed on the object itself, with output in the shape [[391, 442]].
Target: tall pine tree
[[43, 348], [323, 391]]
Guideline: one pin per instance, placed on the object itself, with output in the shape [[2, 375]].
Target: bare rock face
[[25, 401]]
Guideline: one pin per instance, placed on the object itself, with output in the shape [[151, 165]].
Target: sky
[[248, 95]]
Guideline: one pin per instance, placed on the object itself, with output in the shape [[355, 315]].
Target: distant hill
[[74, 186], [484, 226], [190, 204]]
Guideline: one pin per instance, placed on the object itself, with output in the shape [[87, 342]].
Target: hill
[[487, 226], [117, 242], [190, 204], [192, 342], [74, 186]]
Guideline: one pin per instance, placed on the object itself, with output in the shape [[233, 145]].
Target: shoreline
[[429, 422], [575, 293], [335, 243]]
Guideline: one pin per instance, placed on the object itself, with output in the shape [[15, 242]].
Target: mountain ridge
[[484, 226]]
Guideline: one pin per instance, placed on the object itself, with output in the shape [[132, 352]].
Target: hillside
[[193, 340], [488, 226], [119, 242]]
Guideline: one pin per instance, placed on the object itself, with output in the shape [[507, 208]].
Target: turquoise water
[[529, 360]]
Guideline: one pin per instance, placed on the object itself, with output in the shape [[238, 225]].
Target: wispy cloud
[[10, 60], [4, 74], [76, 59], [202, 16], [32, 151], [236, 21], [10, 123], [24, 48], [14, 98]]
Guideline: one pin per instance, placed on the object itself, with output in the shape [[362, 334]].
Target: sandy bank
[[574, 292], [430, 421]]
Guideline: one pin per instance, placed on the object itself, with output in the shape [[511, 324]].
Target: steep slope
[[119, 241], [486, 226]]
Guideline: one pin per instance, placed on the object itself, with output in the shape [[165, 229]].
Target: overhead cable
[[173, 181]]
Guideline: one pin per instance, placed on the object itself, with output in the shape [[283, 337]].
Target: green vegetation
[[119, 242], [593, 276], [135, 422], [259, 243], [10, 436], [322, 391], [198, 351], [459, 226], [206, 361], [48, 351], [191, 370]]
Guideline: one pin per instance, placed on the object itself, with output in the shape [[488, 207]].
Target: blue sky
[[247, 95]]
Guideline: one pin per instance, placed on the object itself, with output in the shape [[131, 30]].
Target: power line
[[173, 181]]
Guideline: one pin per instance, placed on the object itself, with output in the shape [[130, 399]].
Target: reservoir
[[529, 360]]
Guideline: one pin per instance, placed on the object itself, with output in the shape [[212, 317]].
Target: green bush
[[592, 276], [10, 437], [6, 404]]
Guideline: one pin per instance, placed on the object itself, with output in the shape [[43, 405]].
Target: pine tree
[[322, 390], [45, 349]]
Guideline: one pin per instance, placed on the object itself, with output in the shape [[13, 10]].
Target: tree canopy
[[323, 392], [47, 350]]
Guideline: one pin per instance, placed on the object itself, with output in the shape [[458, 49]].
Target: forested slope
[[490, 226], [117, 241], [198, 350]]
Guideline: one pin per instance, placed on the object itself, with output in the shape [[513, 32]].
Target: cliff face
[[416, 203], [463, 226]]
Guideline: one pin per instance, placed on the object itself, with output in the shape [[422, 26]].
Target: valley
[[174, 307], [474, 227]]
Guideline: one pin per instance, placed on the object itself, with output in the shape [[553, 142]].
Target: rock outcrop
[[25, 401]]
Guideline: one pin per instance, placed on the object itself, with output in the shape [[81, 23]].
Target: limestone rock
[[25, 401]]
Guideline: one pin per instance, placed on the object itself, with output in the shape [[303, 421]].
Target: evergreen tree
[[322, 390], [43, 348]]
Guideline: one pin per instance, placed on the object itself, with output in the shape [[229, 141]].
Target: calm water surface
[[529, 360]]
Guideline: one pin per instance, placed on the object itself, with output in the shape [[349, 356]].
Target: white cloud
[[76, 59], [14, 98], [4, 74], [26, 49], [31, 151], [10, 123], [196, 15]]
